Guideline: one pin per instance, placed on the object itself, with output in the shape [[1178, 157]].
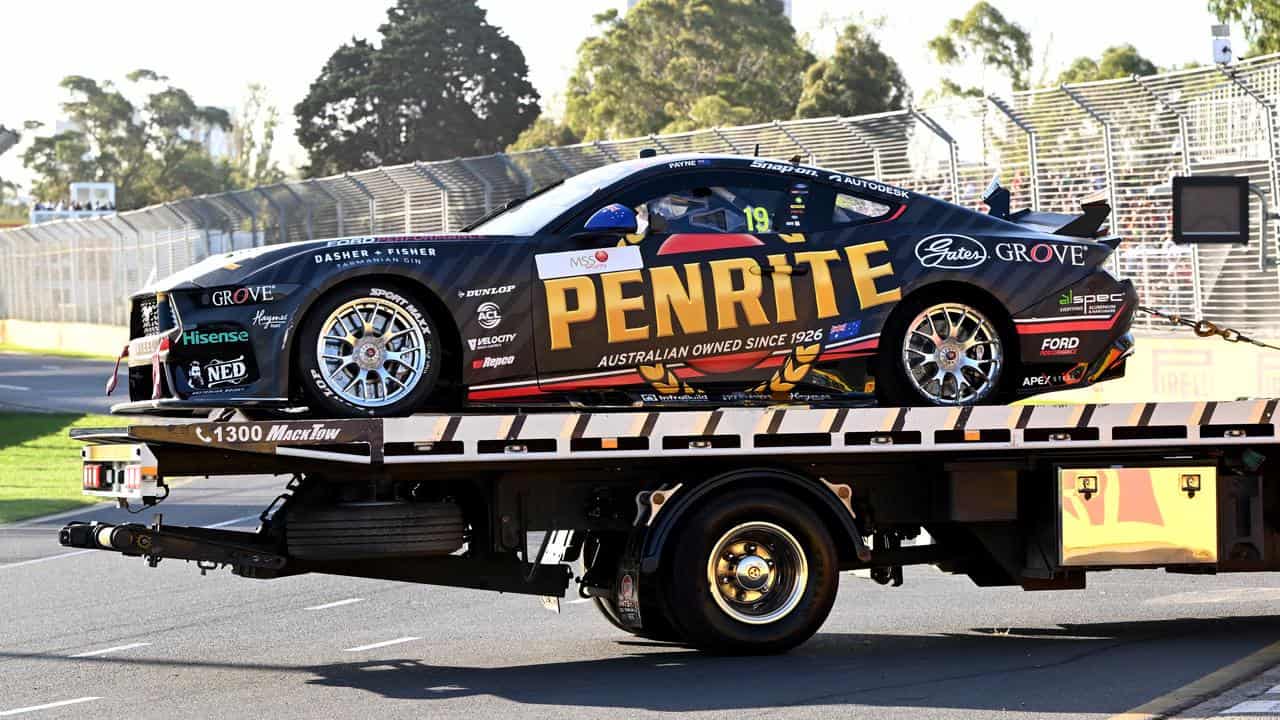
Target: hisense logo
[[195, 337]]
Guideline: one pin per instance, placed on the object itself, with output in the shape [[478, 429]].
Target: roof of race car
[[676, 161]]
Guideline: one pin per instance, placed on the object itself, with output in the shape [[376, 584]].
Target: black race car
[[665, 281]]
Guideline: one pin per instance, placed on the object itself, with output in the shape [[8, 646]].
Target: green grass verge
[[6, 347], [40, 464]]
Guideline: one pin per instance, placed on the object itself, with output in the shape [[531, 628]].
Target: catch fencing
[[1050, 146]]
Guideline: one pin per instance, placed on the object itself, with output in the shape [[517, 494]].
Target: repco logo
[[492, 362], [1066, 345], [247, 295]]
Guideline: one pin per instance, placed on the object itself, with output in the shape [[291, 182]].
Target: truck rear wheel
[[752, 572]]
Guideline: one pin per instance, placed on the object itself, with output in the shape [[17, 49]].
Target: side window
[[850, 209], [713, 208]]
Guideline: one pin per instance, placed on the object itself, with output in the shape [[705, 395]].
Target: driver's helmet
[[696, 210]]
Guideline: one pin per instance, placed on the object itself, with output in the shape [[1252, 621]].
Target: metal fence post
[[937, 129], [426, 173], [1031, 148], [524, 177], [337, 203], [484, 183], [1184, 135], [373, 202], [725, 139], [1273, 175], [407, 225]]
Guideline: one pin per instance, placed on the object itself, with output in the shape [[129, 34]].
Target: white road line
[[45, 559], [579, 600], [1253, 706], [397, 641], [104, 651], [59, 556], [236, 521], [326, 606], [46, 706], [19, 388]]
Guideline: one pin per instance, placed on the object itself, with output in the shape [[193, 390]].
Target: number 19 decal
[[757, 219]]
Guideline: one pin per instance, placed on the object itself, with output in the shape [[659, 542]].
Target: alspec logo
[[950, 252], [195, 337], [248, 295], [489, 315], [588, 262], [490, 342], [486, 292], [492, 362], [1066, 345], [225, 372]]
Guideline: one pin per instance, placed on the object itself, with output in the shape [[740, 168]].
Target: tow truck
[[723, 529]]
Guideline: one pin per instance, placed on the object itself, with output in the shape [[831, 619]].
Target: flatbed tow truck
[[722, 529]]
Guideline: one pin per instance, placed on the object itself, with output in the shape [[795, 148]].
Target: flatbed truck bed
[[723, 529]]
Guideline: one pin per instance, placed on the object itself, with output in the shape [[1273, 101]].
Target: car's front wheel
[[945, 352], [368, 350]]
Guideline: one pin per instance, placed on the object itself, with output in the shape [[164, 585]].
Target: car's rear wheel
[[945, 352], [368, 350]]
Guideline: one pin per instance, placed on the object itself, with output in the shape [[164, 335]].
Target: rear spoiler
[[1087, 224]]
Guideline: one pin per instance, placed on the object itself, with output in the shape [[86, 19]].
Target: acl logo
[[489, 315], [1060, 345]]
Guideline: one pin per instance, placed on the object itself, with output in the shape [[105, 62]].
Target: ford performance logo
[[950, 252]]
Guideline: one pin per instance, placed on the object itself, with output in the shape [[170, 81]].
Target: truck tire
[[367, 530], [656, 626], [750, 572]]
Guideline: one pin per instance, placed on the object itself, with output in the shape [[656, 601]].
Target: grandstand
[[1050, 146]]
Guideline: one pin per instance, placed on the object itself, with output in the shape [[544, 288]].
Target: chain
[[1205, 328]]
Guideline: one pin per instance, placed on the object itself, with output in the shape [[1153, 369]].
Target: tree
[[1117, 61], [1261, 19], [648, 70], [153, 150], [985, 36], [443, 83], [253, 134], [544, 132], [858, 78]]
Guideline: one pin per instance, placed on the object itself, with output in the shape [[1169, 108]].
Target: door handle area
[[781, 270]]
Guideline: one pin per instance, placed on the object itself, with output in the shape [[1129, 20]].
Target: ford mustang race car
[[671, 280]]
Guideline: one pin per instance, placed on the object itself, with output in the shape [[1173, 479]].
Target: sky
[[214, 50]]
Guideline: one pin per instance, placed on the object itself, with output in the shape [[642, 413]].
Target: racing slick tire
[[936, 351], [754, 572], [368, 350]]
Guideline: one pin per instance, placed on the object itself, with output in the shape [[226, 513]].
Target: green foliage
[[544, 132], [985, 36], [1118, 61], [252, 139], [443, 83], [649, 71], [858, 78], [708, 111], [1261, 19], [153, 150]]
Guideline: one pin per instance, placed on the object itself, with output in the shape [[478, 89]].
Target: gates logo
[[950, 252]]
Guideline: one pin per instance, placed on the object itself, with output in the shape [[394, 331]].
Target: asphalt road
[[51, 384], [167, 642]]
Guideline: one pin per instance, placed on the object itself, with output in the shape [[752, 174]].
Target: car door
[[699, 303]]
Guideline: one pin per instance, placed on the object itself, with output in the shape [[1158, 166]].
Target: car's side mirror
[[611, 220]]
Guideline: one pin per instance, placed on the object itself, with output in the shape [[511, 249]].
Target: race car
[[677, 280]]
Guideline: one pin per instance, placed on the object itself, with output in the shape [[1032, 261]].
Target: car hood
[[241, 266]]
